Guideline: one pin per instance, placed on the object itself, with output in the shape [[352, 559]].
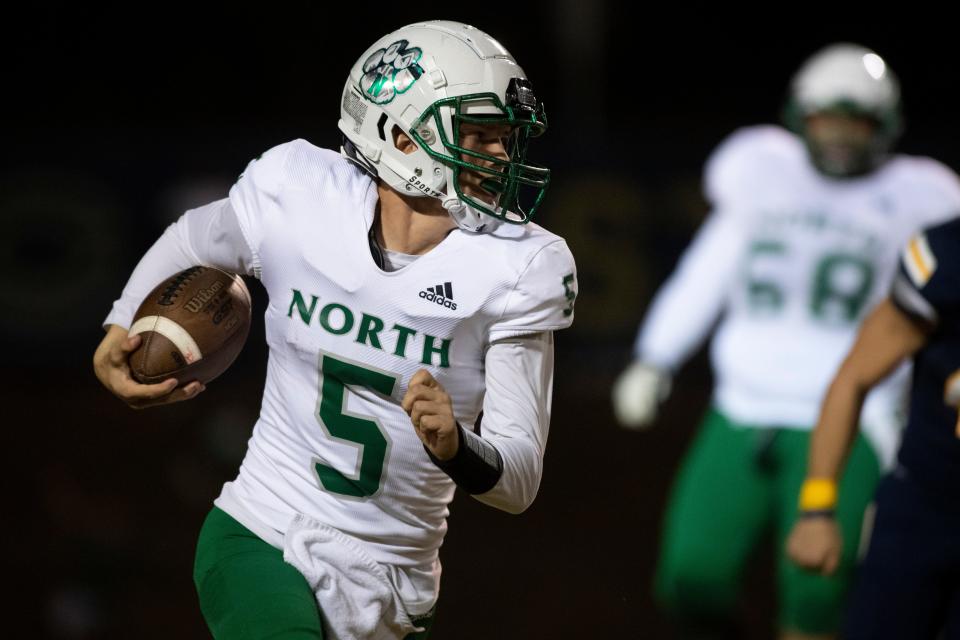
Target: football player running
[[801, 242], [908, 583], [408, 296]]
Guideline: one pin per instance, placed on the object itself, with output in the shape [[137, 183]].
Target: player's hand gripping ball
[[192, 326]]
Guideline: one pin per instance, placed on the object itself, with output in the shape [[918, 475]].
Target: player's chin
[[480, 194]]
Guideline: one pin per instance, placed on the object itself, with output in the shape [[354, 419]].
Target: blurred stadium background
[[121, 116]]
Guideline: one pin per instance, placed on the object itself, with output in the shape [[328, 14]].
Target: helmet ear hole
[[402, 141]]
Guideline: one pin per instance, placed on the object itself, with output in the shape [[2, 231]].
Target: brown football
[[193, 324]]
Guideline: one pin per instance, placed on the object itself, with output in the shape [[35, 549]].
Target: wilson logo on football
[[441, 294]]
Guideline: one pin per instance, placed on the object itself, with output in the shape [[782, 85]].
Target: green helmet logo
[[390, 71]]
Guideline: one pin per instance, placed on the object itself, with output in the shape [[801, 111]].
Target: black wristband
[[477, 465], [816, 513]]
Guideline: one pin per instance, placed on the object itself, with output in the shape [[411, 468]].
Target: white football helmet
[[853, 80], [428, 78]]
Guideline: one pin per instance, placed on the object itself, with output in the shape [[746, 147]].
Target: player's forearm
[[886, 338], [505, 475], [165, 257], [520, 479], [208, 235], [516, 416], [476, 467], [686, 306], [833, 438], [836, 429]]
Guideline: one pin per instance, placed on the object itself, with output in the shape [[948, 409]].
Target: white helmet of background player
[[427, 79], [852, 80]]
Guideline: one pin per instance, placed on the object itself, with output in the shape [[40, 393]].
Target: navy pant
[[908, 587]]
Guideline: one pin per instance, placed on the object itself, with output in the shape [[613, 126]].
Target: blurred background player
[[408, 297], [800, 243], [909, 584]]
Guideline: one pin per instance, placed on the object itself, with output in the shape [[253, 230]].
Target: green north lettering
[[370, 328], [301, 305], [338, 319], [429, 350], [347, 319], [404, 333]]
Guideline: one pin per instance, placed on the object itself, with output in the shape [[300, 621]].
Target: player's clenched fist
[[431, 412], [815, 544], [110, 363]]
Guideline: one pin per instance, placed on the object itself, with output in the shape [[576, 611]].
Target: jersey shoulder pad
[[255, 192], [315, 167], [294, 162], [928, 282], [929, 184], [542, 288], [256, 196], [735, 166], [343, 185], [266, 170]]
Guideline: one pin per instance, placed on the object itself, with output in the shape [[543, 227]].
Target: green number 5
[[335, 376]]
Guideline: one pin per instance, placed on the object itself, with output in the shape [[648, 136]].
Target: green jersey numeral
[[570, 293], [765, 294], [841, 284], [365, 431]]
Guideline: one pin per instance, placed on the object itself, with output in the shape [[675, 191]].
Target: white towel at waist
[[356, 597]]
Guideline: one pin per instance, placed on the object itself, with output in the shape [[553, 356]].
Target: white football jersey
[[794, 260], [332, 441], [819, 253]]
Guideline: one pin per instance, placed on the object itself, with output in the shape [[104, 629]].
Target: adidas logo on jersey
[[442, 294]]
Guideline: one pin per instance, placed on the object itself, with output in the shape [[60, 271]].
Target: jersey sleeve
[[688, 304], [542, 298], [750, 160], [255, 195], [209, 235], [935, 192], [722, 173], [516, 416], [927, 285], [730, 167]]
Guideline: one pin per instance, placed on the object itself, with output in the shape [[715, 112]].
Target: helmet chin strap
[[467, 217]]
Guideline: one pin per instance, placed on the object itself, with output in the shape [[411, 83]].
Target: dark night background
[[120, 117]]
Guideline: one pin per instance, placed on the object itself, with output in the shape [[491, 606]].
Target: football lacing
[[170, 293]]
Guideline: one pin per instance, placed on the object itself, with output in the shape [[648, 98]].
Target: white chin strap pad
[[468, 218]]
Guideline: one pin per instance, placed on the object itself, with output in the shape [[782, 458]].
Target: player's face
[[489, 139], [839, 142]]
